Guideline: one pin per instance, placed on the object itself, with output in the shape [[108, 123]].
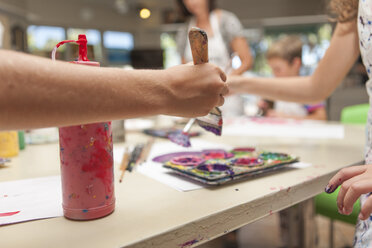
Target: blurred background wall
[[119, 37]]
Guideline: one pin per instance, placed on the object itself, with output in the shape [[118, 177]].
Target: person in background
[[37, 92], [284, 58], [351, 37], [225, 39]]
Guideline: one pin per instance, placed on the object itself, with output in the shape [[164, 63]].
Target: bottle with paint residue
[[86, 161]]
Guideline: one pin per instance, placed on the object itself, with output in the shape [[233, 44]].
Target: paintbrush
[[146, 150], [124, 164], [213, 121], [182, 138], [134, 157]]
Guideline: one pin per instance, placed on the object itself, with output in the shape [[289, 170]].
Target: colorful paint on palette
[[273, 156], [248, 161], [187, 160], [217, 154], [220, 166]]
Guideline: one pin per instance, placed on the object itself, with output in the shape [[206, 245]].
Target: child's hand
[[194, 89], [354, 181], [234, 83]]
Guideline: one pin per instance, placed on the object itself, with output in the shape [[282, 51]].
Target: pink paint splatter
[[9, 214], [271, 212], [272, 188]]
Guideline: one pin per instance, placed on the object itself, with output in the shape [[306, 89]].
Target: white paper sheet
[[283, 128], [30, 199], [166, 176], [299, 165]]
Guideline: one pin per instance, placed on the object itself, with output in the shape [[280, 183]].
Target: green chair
[[356, 114], [325, 204]]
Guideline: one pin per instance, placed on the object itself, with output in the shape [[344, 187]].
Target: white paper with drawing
[[30, 199]]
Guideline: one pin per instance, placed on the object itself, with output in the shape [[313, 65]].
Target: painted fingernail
[[340, 209], [346, 211], [329, 189]]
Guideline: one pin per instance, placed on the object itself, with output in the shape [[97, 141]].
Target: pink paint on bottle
[[86, 161]]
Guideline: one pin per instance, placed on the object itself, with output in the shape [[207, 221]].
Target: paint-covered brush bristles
[[182, 138], [212, 122]]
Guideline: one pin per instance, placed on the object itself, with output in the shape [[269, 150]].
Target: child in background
[[351, 37], [284, 58]]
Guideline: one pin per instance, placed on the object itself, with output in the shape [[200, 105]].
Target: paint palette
[[3, 161], [219, 166]]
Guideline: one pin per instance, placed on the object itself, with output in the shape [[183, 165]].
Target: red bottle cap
[[83, 50]]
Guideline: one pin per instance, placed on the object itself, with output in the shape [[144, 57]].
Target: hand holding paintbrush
[[213, 121]]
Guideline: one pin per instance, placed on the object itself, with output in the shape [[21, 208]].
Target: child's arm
[[318, 114], [354, 181], [337, 61], [240, 46], [36, 92]]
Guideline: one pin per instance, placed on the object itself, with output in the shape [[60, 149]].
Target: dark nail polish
[[329, 189]]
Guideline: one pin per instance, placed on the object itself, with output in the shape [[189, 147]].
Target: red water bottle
[[86, 161]]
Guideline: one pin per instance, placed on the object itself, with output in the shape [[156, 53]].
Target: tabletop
[[151, 214]]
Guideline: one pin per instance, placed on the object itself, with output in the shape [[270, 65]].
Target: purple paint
[[180, 138], [189, 243], [330, 189], [167, 157], [215, 168], [188, 160], [216, 130]]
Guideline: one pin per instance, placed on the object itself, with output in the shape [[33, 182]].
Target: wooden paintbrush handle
[[199, 45]]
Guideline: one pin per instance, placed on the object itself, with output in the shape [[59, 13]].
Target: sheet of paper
[[267, 127], [30, 199], [299, 165], [157, 172]]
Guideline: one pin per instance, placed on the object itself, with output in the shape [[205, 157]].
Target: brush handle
[[199, 45], [188, 126], [199, 48]]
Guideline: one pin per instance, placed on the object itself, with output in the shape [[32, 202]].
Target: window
[[169, 46], [42, 39], [118, 46]]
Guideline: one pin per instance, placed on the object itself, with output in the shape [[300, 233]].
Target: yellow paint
[[9, 144]]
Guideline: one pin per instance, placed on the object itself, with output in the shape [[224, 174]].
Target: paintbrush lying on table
[[124, 163], [213, 121]]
